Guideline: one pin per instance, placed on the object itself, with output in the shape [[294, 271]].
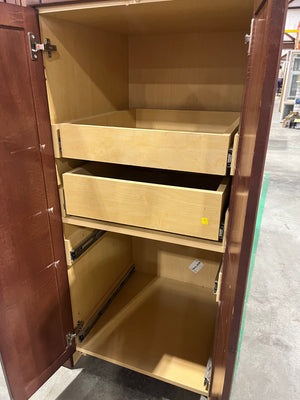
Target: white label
[[196, 266]]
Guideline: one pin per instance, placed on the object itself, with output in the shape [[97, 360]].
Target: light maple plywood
[[124, 118], [157, 15], [187, 241], [159, 327], [192, 71], [193, 141], [218, 294], [93, 277], [88, 73], [61, 195], [76, 357], [234, 153], [185, 209], [73, 236], [188, 120], [172, 261], [63, 165]]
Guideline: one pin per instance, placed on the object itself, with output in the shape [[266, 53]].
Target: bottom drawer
[[178, 202], [148, 306]]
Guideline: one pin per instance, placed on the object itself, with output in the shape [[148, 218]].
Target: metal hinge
[[71, 336], [229, 158], [217, 280], [221, 231], [36, 47], [84, 331], [207, 378], [248, 37], [59, 142]]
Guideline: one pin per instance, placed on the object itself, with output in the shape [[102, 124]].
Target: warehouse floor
[[269, 358]]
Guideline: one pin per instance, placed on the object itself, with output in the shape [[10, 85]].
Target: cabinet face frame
[[239, 260]]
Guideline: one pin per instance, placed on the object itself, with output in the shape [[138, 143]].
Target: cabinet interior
[[178, 65], [174, 55], [161, 320]]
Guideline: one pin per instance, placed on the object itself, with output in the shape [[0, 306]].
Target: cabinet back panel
[[204, 71], [171, 261]]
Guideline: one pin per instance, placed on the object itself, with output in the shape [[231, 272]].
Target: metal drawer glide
[[84, 245]]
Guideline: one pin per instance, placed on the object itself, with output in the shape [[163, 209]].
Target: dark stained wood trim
[[36, 69], [237, 259], [259, 6], [36, 384], [11, 16], [277, 15], [20, 19], [15, 2]]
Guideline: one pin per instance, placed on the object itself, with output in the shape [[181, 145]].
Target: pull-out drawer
[[179, 202], [193, 141], [78, 241]]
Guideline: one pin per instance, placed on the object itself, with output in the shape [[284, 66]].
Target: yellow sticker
[[204, 221]]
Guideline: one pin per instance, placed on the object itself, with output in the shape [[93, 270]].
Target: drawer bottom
[[159, 327]]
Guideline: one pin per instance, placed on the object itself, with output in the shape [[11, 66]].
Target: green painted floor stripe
[[252, 262]]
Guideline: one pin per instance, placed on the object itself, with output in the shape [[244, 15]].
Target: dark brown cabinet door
[[264, 55], [34, 296]]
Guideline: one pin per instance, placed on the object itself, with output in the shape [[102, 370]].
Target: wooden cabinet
[[139, 189]]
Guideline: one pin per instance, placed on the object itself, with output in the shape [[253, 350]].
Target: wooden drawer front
[[156, 139], [183, 210]]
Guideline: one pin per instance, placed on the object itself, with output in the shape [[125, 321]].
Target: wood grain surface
[[33, 278]]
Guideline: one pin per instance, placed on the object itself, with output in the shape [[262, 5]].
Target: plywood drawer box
[[171, 201], [194, 141]]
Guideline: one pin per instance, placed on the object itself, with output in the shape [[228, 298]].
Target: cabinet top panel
[[157, 16]]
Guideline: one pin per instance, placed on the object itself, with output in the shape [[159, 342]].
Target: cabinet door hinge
[[221, 230], [207, 378], [229, 158], [248, 38], [72, 335], [36, 47]]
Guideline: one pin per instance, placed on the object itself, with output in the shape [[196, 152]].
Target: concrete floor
[[269, 364]]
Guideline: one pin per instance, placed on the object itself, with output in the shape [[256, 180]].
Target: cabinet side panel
[[88, 75], [254, 133]]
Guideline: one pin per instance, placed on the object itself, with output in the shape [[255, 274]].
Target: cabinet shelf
[[160, 327], [218, 247]]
